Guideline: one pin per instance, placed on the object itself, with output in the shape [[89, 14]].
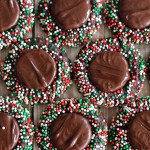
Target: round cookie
[[9, 131], [139, 129], [6, 7], [70, 14], [129, 20], [37, 82], [135, 13], [70, 131], [42, 70], [16, 127], [20, 20], [70, 22], [108, 71], [77, 121], [131, 77], [130, 127]]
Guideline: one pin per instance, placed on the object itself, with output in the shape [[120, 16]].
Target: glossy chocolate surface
[[71, 131], [35, 69], [70, 14], [135, 13], [9, 14], [108, 71], [139, 131], [9, 132]]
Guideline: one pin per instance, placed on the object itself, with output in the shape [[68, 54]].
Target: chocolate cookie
[[70, 14], [16, 19], [70, 22], [9, 131], [70, 131], [41, 67], [30, 69], [139, 129], [135, 13], [129, 20], [108, 71], [131, 126], [10, 10], [16, 127], [72, 124]]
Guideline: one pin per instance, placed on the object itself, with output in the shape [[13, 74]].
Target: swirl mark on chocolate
[[139, 131], [108, 71], [135, 13], [9, 14], [70, 14], [9, 132], [70, 132], [35, 69]]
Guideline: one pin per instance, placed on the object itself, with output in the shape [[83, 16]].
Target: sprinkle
[[43, 96], [12, 107], [111, 99], [118, 129], [73, 37], [95, 117], [120, 30], [24, 25], [3, 128]]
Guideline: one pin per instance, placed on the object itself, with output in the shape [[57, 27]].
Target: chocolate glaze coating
[[139, 131], [108, 71], [9, 14], [9, 132], [135, 13], [70, 14], [35, 69], [70, 131]]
